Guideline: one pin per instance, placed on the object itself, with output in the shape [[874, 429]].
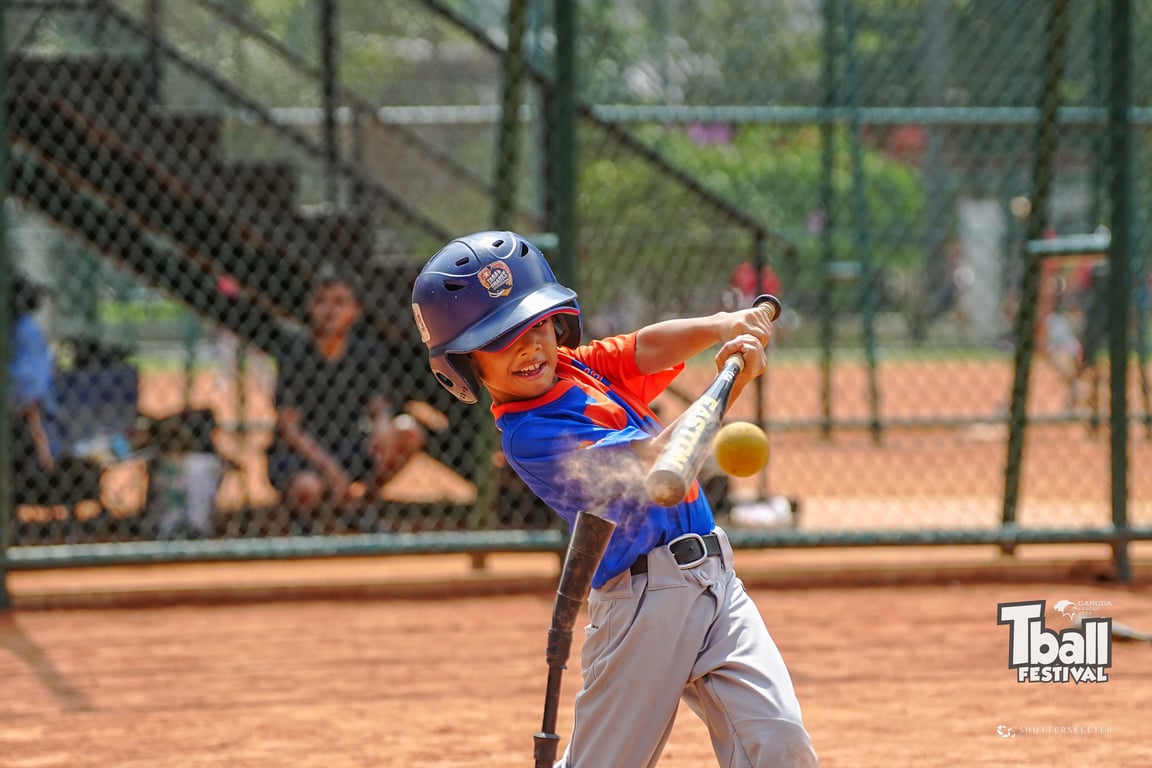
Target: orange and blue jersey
[[573, 448]]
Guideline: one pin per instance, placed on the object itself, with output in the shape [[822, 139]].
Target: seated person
[[31, 396], [337, 435]]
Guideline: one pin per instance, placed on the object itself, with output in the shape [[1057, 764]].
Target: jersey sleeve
[[615, 358]]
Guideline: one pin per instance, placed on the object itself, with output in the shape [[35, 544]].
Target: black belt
[[689, 551]]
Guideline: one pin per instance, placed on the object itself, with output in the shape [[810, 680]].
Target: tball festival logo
[[1079, 654]]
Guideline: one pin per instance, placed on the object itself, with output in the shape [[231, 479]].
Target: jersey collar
[[519, 406]]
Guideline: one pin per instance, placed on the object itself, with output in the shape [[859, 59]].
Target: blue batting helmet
[[482, 291]]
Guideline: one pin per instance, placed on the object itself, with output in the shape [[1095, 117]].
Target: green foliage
[[773, 174], [657, 52]]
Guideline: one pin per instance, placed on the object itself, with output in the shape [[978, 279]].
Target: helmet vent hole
[[523, 249], [445, 380], [462, 261], [498, 243], [454, 285]]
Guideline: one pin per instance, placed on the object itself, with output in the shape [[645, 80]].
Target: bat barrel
[[673, 473], [666, 487]]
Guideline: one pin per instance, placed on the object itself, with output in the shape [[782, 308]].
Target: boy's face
[[523, 370], [333, 309]]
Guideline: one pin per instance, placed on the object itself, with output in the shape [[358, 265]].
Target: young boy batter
[[668, 619]]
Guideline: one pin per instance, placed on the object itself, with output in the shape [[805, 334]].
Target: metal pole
[[6, 508], [508, 140], [762, 381], [828, 204], [153, 19], [1140, 282], [1101, 212], [867, 286], [1120, 269], [1047, 132], [1099, 133], [936, 62], [329, 62], [564, 146], [505, 184]]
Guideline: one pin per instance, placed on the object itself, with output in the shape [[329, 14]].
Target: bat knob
[[546, 747], [770, 300]]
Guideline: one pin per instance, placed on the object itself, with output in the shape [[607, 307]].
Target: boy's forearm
[[669, 342]]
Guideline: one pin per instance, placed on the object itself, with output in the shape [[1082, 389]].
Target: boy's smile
[[523, 370]]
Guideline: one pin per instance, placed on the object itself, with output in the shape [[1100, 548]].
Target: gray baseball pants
[[695, 634]]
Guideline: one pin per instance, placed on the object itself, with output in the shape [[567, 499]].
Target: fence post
[[329, 56], [484, 514], [1120, 271], [860, 224], [6, 508], [827, 204], [563, 158], [1047, 136], [508, 139]]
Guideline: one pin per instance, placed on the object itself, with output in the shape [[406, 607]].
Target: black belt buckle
[[690, 546]]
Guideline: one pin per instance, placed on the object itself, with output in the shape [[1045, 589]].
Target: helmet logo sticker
[[424, 335], [496, 279]]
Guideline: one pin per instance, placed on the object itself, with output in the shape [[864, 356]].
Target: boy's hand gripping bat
[[678, 464]]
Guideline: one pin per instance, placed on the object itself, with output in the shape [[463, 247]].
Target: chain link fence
[[217, 208]]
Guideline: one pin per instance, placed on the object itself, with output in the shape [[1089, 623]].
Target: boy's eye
[[540, 324]]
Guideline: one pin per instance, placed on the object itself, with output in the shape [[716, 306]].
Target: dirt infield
[[888, 676]]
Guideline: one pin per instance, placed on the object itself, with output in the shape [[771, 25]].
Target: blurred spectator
[[1063, 350], [1058, 329], [337, 438], [1092, 290], [743, 287], [31, 393]]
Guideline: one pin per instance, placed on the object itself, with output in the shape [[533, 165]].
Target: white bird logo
[[1066, 608]]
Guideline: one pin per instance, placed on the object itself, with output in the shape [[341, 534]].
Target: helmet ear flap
[[455, 374]]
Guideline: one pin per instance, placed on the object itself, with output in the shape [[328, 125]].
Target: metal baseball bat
[[676, 467], [590, 536]]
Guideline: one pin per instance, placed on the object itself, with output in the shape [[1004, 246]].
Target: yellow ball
[[741, 448]]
